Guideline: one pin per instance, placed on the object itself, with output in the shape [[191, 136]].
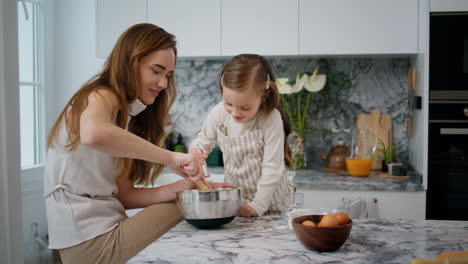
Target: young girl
[[250, 131], [107, 139]]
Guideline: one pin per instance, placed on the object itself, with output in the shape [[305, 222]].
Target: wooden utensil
[[412, 83], [379, 124], [456, 257], [412, 80], [201, 186]]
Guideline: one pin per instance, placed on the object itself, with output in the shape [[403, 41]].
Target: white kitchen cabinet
[[383, 204], [266, 27], [113, 18], [358, 27], [449, 5], [196, 24]]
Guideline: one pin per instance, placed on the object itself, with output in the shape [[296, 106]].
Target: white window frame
[[37, 83]]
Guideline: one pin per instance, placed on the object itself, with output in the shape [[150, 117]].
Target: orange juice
[[359, 167]]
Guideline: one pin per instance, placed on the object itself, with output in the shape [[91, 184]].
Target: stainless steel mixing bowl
[[209, 209]]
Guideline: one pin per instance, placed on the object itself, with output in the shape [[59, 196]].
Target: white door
[[266, 27], [196, 24], [113, 18], [358, 27]]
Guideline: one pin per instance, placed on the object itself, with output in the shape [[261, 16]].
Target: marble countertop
[[317, 179], [267, 239]]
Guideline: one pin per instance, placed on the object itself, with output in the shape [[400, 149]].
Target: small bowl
[[321, 239]]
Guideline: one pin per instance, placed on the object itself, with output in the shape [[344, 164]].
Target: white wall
[[10, 184], [75, 50]]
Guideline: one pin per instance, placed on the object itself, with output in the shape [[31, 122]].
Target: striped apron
[[243, 156]]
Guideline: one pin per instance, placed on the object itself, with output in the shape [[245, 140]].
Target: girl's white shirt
[[273, 168], [80, 191]]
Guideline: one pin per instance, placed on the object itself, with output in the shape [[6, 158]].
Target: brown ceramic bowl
[[320, 239]]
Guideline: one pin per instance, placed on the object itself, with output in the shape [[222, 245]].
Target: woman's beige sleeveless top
[[80, 191]]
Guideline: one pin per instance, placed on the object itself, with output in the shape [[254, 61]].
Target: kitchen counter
[[267, 239], [317, 179]]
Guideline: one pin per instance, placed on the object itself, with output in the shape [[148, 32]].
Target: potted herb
[[389, 154]]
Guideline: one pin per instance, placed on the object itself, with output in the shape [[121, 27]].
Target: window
[[31, 114]]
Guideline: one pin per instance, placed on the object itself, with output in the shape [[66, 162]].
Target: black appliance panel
[[447, 193], [448, 49]]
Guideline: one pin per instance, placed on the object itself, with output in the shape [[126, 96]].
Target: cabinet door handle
[[454, 131]]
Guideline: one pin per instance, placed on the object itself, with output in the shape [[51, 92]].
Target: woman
[[106, 140]]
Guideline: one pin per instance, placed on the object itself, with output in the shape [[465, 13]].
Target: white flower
[[283, 86], [299, 84], [316, 82]]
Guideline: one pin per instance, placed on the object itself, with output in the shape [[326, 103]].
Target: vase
[[298, 155]]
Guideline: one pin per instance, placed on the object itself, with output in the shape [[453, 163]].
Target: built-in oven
[[447, 192]]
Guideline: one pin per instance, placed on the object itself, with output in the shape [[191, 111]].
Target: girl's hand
[[213, 185], [246, 211], [184, 185]]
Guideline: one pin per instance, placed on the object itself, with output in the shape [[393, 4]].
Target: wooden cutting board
[[379, 124]]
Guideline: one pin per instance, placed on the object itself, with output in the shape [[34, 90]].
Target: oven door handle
[[454, 131]]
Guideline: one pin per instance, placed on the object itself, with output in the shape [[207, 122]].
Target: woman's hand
[[246, 211], [202, 156], [188, 166]]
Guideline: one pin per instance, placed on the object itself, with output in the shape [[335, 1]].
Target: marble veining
[[375, 83], [267, 239]]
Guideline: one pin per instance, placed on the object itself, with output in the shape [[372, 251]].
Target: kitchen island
[[268, 239]]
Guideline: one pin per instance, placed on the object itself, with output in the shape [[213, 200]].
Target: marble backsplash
[[374, 83]]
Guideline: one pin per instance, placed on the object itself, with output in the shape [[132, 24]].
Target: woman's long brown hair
[[121, 76], [250, 70]]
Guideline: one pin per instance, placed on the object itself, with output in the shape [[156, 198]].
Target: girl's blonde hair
[[251, 71], [121, 76]]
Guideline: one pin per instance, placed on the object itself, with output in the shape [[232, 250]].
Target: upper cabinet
[[267, 27], [449, 5], [358, 27], [196, 24], [113, 18]]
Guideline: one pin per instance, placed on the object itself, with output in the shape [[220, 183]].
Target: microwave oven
[[448, 55]]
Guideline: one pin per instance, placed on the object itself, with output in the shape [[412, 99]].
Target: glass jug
[[362, 150]]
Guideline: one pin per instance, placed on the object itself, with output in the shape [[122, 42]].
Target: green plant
[[389, 154]]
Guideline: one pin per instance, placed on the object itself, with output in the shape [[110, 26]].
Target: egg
[[342, 218], [328, 220], [308, 223]]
